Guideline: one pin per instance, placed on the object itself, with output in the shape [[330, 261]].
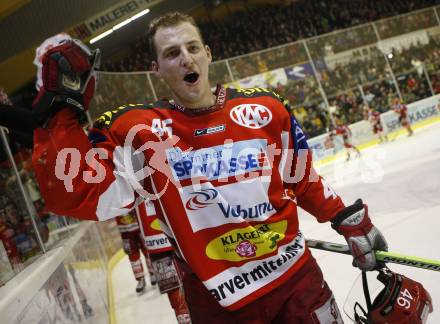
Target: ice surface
[[130, 307]]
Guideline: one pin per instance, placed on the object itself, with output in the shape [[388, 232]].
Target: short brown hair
[[168, 20]]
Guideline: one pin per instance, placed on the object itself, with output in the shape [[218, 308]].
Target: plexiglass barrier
[[69, 285]]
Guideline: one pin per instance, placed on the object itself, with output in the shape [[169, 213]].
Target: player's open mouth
[[192, 77]]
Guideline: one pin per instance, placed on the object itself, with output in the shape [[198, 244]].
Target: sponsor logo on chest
[[221, 161], [237, 283], [209, 207], [206, 197], [244, 243]]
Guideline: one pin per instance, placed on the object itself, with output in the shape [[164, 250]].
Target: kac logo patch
[[253, 116]]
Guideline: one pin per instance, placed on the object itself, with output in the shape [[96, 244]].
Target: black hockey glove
[[67, 79], [361, 235]]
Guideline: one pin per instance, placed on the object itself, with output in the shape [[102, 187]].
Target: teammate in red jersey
[[402, 112], [345, 131], [373, 116], [133, 243], [225, 171], [161, 254], [157, 251]]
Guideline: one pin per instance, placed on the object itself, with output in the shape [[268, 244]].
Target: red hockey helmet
[[401, 301]]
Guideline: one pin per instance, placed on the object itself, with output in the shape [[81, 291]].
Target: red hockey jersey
[[343, 130], [374, 117], [155, 240], [400, 109], [225, 183], [127, 223]]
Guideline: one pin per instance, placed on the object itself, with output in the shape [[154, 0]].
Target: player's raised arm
[[77, 177]]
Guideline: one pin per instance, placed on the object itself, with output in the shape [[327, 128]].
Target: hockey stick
[[390, 257]]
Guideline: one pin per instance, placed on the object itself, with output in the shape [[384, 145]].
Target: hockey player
[[157, 251], [402, 112], [345, 131], [133, 243], [162, 261], [225, 171], [373, 116]]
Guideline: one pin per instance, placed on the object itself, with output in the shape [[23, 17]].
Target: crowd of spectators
[[357, 70], [114, 90], [307, 104], [364, 78], [267, 26], [262, 27], [348, 84], [18, 240], [19, 243]]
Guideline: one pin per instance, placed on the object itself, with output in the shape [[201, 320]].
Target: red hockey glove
[[67, 78], [361, 235]]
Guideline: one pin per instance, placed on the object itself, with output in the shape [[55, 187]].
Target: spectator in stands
[[7, 234]]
